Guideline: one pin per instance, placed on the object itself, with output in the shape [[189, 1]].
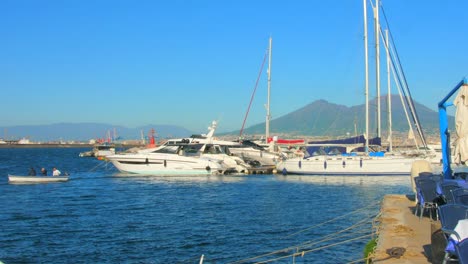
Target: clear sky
[[187, 63]]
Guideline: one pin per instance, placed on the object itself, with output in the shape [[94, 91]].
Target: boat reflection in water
[[348, 180], [181, 178]]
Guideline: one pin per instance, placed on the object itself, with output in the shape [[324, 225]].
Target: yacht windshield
[[167, 149], [213, 149]]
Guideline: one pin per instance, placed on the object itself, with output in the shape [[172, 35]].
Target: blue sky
[[187, 63]]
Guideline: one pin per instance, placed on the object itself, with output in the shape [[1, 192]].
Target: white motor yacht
[[250, 152], [171, 159]]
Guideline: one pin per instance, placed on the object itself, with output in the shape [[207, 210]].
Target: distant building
[[24, 141]]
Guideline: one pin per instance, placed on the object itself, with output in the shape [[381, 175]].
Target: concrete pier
[[421, 240]]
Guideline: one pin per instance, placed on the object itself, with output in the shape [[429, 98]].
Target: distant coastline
[[46, 145], [60, 145]]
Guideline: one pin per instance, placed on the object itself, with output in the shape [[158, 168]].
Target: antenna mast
[[377, 62], [268, 116], [366, 92], [389, 96]]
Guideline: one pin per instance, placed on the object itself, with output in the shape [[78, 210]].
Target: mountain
[[86, 131], [319, 118], [322, 118]]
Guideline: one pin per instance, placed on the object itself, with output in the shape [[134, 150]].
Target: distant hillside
[[319, 118], [86, 131], [322, 118]]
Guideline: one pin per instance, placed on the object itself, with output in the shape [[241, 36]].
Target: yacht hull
[[166, 165], [371, 166]]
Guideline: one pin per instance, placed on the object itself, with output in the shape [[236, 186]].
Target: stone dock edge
[[403, 237]]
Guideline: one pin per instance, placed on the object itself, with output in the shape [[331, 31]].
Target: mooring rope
[[299, 246], [326, 238], [331, 220], [302, 253], [97, 166], [334, 235], [357, 261]]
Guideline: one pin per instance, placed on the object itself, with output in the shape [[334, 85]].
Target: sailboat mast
[[389, 96], [142, 137], [366, 92], [377, 63], [268, 117]]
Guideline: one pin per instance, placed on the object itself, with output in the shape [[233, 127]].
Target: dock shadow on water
[[101, 216]]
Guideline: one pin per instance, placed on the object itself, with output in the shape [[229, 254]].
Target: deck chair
[[437, 178], [430, 176], [449, 215], [461, 250], [447, 188], [427, 196], [460, 196]]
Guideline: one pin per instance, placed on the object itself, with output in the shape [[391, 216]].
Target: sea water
[[103, 216]]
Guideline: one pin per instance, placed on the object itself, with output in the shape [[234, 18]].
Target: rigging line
[[325, 238], [403, 103], [312, 250], [331, 220], [253, 94], [404, 76], [400, 89], [408, 99], [397, 57], [399, 71]]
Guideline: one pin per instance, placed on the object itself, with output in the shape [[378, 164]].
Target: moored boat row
[[196, 155], [205, 155]]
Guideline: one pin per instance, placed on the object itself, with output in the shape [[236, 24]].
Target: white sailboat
[[259, 153], [366, 163]]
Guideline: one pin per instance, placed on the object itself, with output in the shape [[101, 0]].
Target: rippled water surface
[[102, 216]]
